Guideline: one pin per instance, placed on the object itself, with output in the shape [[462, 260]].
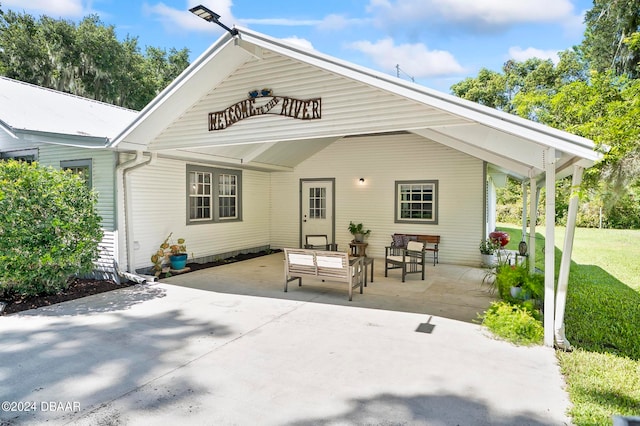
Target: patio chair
[[319, 242], [410, 259]]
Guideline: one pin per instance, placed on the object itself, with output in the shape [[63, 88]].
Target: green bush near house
[[49, 228], [513, 322], [516, 318]]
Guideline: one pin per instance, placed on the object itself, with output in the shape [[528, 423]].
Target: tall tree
[[609, 25], [602, 107], [85, 59]]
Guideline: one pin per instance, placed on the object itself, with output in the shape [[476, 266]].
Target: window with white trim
[[417, 201], [213, 195]]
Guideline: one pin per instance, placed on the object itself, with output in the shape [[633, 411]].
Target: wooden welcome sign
[[263, 102]]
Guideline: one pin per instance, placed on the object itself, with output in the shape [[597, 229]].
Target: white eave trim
[[173, 87], [563, 141]]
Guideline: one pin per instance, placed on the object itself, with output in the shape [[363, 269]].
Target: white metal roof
[[172, 123], [32, 109]]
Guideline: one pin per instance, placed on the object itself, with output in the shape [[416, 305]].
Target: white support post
[[549, 246], [565, 263], [524, 211], [533, 219]]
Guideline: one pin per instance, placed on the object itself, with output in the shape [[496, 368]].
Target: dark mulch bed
[[77, 289], [86, 287]]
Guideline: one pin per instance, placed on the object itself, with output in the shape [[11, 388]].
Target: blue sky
[[437, 42]]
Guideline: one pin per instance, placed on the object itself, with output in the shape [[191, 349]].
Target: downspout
[[122, 170], [549, 246], [565, 263]]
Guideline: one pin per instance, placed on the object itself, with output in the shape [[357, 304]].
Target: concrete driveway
[[169, 354]]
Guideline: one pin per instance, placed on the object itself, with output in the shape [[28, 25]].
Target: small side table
[[358, 249], [367, 261]]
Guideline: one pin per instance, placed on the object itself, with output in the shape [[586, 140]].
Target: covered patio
[[348, 140], [450, 291]]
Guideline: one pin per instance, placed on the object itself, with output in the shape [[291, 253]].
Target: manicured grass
[[602, 322]]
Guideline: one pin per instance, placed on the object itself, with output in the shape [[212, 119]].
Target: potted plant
[[175, 252], [358, 231], [488, 249]]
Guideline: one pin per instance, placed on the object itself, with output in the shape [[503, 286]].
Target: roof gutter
[[4, 126], [75, 141]]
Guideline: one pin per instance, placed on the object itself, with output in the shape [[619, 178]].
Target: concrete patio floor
[[227, 346], [450, 291]]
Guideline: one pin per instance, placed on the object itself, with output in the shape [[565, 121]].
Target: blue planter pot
[[178, 261]]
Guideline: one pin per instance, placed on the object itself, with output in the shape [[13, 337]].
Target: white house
[[259, 143], [66, 132]]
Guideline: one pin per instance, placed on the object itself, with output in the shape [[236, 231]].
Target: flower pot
[[515, 292], [359, 238], [489, 260], [178, 261]]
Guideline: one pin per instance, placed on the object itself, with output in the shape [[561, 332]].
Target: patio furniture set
[[321, 259]]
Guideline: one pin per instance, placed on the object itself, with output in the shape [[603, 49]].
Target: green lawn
[[602, 322]]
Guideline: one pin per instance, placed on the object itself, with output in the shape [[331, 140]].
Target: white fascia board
[[192, 80], [499, 120]]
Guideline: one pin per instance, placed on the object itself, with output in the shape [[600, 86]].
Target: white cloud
[[283, 22], [300, 42], [475, 14], [182, 20], [520, 54], [414, 59], [53, 8], [328, 23]]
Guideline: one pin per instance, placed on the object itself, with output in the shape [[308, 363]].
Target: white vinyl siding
[[102, 174], [348, 107], [158, 208], [381, 161], [102, 181]]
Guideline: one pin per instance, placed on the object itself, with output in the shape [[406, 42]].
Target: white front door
[[317, 208]]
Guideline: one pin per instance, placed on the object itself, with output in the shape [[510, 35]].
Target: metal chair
[[410, 260], [319, 242]]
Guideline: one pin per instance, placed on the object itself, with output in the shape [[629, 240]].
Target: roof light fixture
[[210, 16]]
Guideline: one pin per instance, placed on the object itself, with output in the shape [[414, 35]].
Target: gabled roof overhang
[[520, 147]]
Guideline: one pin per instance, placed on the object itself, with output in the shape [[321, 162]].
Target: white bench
[[330, 265]]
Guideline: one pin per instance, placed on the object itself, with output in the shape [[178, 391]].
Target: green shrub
[[514, 323], [49, 228], [507, 276]]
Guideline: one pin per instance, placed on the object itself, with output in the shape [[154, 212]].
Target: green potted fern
[[358, 231]]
